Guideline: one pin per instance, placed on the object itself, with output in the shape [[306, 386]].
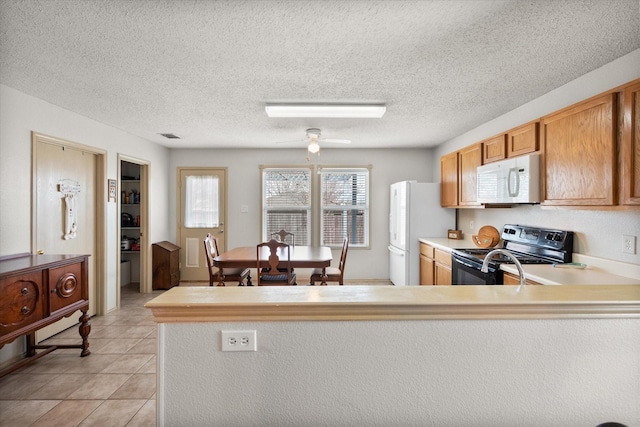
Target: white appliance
[[510, 181], [415, 212]]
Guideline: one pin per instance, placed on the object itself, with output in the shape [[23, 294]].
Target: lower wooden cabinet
[[435, 266], [427, 265], [442, 274], [512, 279], [166, 265]]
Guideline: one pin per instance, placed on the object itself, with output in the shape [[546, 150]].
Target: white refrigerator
[[415, 212]]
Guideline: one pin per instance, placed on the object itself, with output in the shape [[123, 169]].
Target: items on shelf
[[131, 198]]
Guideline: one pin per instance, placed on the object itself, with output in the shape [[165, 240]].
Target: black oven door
[[466, 272]]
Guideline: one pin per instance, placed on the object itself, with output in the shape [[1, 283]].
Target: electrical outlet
[[239, 341], [472, 226], [628, 244]]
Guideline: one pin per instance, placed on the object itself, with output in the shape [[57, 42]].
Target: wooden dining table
[[301, 257]]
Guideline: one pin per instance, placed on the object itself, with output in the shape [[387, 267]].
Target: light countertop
[[598, 271], [184, 304]]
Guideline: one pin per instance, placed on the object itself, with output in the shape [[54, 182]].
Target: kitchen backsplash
[[597, 233]]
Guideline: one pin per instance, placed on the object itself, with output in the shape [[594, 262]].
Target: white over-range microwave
[[510, 181]]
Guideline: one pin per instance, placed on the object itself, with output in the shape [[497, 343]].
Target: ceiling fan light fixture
[[355, 111], [313, 147]]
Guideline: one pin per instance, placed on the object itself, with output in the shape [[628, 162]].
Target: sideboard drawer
[[65, 287], [21, 303]]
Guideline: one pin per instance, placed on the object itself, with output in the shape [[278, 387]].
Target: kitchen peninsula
[[419, 355]]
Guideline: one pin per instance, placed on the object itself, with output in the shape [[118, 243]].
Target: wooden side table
[[166, 265]]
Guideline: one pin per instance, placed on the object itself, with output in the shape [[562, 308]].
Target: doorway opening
[[133, 224]]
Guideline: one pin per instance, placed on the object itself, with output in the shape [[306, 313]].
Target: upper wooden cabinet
[[631, 145], [590, 154], [516, 142], [449, 180], [579, 147], [458, 177], [469, 159], [494, 149], [522, 140]]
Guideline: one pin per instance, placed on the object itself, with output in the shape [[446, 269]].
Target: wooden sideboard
[[37, 290]]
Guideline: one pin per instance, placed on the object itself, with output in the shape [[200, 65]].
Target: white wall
[[19, 115], [553, 372], [243, 229], [599, 232]]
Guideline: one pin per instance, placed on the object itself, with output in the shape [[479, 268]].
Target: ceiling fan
[[313, 139]]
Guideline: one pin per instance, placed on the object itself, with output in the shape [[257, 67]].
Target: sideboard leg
[[85, 329], [31, 344]]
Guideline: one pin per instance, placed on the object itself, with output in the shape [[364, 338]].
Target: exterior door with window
[[202, 209]]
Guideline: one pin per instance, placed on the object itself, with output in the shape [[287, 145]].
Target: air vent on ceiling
[[170, 135]]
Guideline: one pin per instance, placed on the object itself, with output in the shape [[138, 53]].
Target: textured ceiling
[[204, 70]]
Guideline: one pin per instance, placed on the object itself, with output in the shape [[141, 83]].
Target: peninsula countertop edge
[[184, 304]]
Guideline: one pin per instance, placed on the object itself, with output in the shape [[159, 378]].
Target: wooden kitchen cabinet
[[512, 279], [630, 188], [458, 177], [38, 290], [469, 160], [523, 140], [449, 180], [427, 265], [435, 266], [166, 265], [442, 268], [579, 154], [494, 149]]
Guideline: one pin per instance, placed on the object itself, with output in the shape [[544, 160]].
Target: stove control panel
[[538, 237]]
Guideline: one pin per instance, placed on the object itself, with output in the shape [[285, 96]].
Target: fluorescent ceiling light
[[358, 111]]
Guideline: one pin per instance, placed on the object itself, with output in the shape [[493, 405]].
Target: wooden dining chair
[[279, 271], [229, 274], [283, 234], [333, 274]]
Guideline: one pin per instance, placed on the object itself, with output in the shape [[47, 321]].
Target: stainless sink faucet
[[487, 258]]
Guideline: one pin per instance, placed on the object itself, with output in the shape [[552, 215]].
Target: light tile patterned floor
[[114, 386]]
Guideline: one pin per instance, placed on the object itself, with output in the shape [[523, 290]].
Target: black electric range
[[530, 245]]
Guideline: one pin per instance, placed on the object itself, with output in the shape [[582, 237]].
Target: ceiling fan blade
[[336, 141]]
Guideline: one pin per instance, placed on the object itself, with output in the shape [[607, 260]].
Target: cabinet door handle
[[24, 291], [24, 310]]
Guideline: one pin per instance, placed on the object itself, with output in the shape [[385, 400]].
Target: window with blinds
[[344, 205], [286, 203]]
